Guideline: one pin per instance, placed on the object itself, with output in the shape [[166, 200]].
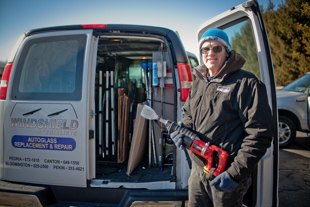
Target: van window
[[50, 68], [242, 40]]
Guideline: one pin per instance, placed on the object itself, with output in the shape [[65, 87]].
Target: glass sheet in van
[[50, 68]]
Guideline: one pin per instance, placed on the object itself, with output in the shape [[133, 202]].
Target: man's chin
[[212, 67]]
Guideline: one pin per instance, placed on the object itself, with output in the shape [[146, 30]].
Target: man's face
[[212, 60]]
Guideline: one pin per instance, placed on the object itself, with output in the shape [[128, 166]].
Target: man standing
[[228, 107]]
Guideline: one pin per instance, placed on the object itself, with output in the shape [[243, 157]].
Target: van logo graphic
[[45, 143], [223, 89], [44, 123], [48, 127]]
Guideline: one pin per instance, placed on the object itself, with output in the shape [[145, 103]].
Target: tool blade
[[149, 113]]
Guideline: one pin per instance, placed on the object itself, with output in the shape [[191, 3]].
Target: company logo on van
[[47, 126], [46, 143]]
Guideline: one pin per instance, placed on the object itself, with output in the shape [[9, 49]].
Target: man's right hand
[[177, 138]]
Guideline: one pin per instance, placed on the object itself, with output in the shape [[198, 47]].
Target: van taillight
[[186, 79], [5, 80], [94, 26]]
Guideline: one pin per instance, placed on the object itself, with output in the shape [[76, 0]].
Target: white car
[[293, 109]]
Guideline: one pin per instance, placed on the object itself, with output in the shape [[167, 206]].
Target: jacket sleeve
[[256, 116]]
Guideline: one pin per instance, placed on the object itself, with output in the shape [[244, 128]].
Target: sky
[[19, 16]]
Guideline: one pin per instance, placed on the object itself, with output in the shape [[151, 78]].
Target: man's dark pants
[[201, 194]]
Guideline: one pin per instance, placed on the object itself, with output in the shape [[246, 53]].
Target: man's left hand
[[224, 183]]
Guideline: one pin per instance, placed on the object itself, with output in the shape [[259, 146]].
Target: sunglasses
[[216, 49]]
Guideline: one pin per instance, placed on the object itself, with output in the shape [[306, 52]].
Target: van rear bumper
[[68, 196], [18, 194]]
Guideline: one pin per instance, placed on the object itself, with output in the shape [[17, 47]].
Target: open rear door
[[245, 28], [47, 131]]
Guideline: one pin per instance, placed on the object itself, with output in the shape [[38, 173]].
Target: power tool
[[192, 142]]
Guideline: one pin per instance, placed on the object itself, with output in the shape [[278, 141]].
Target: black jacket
[[231, 112]]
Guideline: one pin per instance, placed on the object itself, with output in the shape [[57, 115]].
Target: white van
[[70, 128]]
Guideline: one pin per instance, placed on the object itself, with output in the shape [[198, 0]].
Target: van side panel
[[46, 131], [39, 147]]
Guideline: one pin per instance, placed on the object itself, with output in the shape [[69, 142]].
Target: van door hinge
[[91, 134], [92, 113]]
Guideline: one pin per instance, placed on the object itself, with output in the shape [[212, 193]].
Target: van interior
[[130, 148]]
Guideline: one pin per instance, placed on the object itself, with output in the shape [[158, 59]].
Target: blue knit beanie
[[215, 34]]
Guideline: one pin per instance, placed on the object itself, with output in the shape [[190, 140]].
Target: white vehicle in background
[[293, 108], [69, 95], [193, 61]]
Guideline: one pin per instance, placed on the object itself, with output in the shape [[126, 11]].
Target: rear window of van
[[50, 68]]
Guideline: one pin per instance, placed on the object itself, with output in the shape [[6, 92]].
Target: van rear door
[[245, 28], [47, 134]]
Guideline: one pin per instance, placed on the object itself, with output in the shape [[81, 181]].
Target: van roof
[[104, 27], [174, 42]]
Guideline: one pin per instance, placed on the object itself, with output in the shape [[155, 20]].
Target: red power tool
[[201, 148], [192, 142]]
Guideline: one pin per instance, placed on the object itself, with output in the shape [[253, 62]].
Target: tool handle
[[222, 160], [221, 165]]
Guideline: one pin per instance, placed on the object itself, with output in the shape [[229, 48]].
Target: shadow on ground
[[294, 173]]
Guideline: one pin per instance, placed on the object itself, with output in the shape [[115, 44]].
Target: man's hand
[[177, 138], [224, 182]]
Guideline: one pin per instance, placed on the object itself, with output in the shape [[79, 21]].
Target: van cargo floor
[[117, 172]]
